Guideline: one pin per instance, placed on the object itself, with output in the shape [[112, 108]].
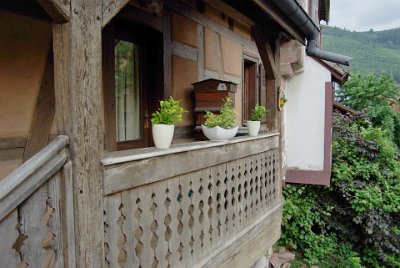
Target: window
[[132, 82], [250, 86]]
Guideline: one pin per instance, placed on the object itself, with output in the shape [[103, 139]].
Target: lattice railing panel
[[177, 221]]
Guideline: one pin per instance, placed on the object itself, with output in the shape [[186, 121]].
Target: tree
[[375, 94]]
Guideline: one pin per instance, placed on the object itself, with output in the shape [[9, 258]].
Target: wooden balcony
[[202, 204], [212, 204]]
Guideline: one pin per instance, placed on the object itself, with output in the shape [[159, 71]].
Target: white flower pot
[[253, 127], [162, 135], [219, 133]]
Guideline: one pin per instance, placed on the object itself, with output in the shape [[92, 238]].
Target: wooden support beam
[[265, 50], [268, 45], [111, 8], [43, 114], [58, 10], [79, 113]]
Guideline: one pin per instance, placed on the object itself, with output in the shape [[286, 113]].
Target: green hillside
[[377, 52]]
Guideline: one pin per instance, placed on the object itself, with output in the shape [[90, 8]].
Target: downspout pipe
[[312, 32]]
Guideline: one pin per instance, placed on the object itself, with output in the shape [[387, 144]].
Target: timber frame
[[239, 181]]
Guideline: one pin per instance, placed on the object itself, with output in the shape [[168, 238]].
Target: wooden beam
[[111, 8], [265, 50], [167, 57], [273, 85], [58, 10], [184, 51], [12, 142], [200, 51], [78, 70], [43, 113]]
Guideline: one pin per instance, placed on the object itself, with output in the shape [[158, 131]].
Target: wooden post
[[77, 65]]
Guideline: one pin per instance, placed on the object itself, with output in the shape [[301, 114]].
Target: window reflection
[[127, 91]]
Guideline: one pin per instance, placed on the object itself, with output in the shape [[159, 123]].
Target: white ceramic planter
[[253, 127], [219, 133], [162, 135]]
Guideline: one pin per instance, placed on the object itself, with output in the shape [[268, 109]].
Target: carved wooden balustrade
[[201, 204], [36, 211]]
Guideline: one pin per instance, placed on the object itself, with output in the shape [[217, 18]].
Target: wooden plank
[[130, 228], [69, 215], [191, 13], [200, 51], [173, 224], [12, 142], [9, 257], [136, 173], [58, 10], [160, 215], [245, 247], [112, 231], [43, 113], [184, 51], [77, 65], [110, 9], [11, 154], [167, 49], [33, 219], [56, 222]]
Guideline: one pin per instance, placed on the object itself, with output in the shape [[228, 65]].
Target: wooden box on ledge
[[209, 95]]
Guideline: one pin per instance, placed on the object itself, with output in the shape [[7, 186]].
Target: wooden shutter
[[263, 89]]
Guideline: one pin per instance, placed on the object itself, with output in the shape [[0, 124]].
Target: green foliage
[[169, 112], [376, 52], [375, 94], [357, 218], [258, 112], [225, 119]]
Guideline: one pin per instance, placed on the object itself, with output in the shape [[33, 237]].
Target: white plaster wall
[[304, 117]]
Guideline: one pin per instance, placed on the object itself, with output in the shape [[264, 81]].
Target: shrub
[[258, 112], [170, 112], [225, 119], [359, 213]]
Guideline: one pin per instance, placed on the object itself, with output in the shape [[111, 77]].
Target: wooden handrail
[[26, 179]]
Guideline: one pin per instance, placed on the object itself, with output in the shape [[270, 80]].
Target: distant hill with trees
[[372, 51]]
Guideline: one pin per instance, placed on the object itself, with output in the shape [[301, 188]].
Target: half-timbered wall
[[207, 44]]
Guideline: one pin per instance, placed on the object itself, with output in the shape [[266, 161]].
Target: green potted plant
[[163, 121], [221, 126], [253, 125]]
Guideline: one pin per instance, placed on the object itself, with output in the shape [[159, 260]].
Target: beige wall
[[23, 50], [184, 73], [24, 45]]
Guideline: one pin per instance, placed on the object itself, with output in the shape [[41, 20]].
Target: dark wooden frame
[[322, 177], [133, 24], [253, 96]]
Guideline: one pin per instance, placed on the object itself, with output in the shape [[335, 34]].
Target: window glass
[[127, 91]]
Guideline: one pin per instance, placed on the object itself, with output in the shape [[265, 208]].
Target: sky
[[363, 15]]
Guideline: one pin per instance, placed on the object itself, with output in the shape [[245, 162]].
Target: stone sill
[[119, 157]]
